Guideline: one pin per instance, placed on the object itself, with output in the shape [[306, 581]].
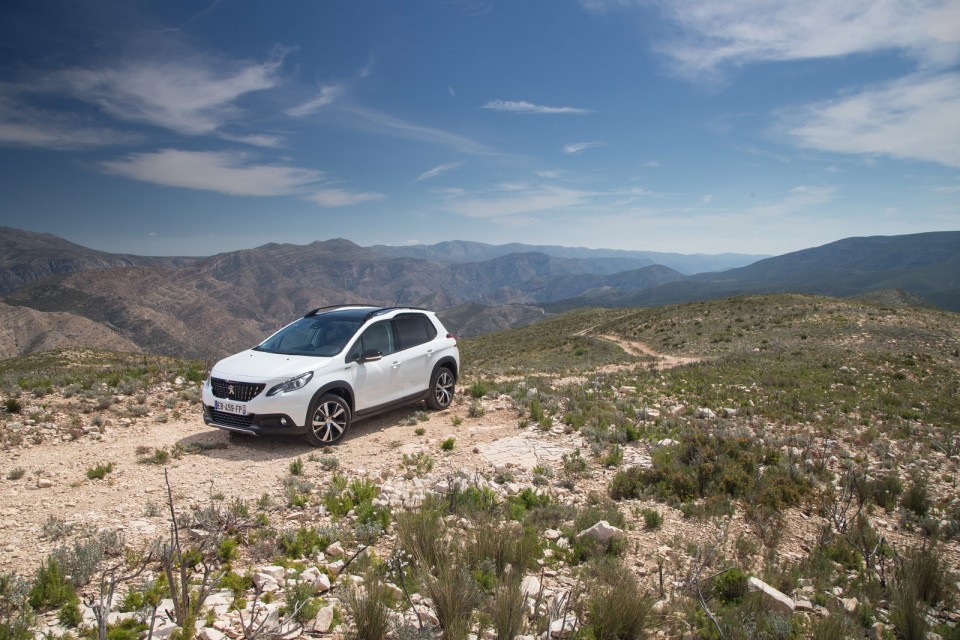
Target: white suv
[[331, 367]]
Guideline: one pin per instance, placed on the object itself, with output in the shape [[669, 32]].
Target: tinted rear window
[[414, 330]]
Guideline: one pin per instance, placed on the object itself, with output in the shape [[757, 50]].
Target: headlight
[[292, 384]]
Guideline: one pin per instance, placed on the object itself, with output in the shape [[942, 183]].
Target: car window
[[414, 329], [378, 337]]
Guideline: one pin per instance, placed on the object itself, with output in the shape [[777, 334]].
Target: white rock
[[705, 413], [274, 571], [530, 586], [552, 534], [322, 621], [317, 579], [564, 627], [772, 598], [265, 582], [335, 549], [601, 532], [208, 633], [334, 568]]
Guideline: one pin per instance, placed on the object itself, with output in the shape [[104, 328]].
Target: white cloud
[[520, 201], [368, 68], [233, 174], [915, 118], [527, 107], [190, 96], [328, 95], [551, 174], [950, 189], [256, 139], [439, 169], [340, 198], [220, 171], [579, 147], [651, 164], [714, 34]]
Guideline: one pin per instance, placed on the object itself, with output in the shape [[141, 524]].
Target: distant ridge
[[924, 265], [606, 261], [206, 307]]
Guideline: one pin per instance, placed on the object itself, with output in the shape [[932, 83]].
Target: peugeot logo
[[229, 389]]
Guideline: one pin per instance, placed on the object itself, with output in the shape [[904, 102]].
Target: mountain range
[[56, 293]]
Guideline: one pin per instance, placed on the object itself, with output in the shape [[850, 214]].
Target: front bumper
[[257, 424]]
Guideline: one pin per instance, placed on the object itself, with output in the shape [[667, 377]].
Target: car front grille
[[239, 391], [230, 419]]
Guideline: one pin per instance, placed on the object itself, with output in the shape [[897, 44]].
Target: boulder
[[322, 621], [772, 598], [603, 531]]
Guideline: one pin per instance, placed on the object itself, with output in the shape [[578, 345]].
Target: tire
[[442, 384], [329, 419]]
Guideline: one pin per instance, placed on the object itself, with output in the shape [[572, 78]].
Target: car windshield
[[322, 337]]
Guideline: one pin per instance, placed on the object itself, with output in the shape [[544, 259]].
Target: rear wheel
[[329, 420], [442, 385]]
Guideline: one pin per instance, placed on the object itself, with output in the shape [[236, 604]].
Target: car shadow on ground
[[226, 445]]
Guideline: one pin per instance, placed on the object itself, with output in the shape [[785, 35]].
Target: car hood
[[255, 366]]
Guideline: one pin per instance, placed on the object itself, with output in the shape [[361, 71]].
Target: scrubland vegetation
[[814, 444]]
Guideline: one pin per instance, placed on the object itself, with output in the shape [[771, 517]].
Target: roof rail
[[314, 312], [382, 310]]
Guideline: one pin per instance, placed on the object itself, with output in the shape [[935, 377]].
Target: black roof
[[355, 313]]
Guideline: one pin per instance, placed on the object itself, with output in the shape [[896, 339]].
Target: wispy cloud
[[383, 123], [513, 200], [797, 200], [439, 169], [713, 34], [527, 107], [233, 174], [256, 139], [579, 147], [340, 198], [914, 118], [221, 171], [368, 68], [328, 95], [191, 95]]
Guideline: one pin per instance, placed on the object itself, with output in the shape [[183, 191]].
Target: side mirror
[[370, 355]]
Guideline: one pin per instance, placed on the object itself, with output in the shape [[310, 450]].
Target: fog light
[[283, 422]]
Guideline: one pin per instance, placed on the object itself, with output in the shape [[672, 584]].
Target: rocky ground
[[48, 499]]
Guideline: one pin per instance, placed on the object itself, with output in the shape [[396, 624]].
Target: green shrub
[[296, 467], [303, 542], [476, 410], [16, 474], [627, 484], [617, 608], [100, 471], [50, 588], [70, 615], [652, 518], [448, 444], [916, 499], [507, 606], [12, 405], [730, 586], [16, 614], [370, 609]]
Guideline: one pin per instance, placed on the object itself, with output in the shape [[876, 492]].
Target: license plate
[[230, 407]]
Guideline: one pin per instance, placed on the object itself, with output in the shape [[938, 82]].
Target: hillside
[[784, 463], [26, 256], [926, 265], [212, 306]]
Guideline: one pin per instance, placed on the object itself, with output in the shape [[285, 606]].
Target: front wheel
[[329, 420], [442, 385]]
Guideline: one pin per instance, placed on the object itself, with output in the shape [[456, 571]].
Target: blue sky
[[191, 128]]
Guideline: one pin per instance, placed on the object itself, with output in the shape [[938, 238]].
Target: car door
[[376, 381], [416, 335]]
